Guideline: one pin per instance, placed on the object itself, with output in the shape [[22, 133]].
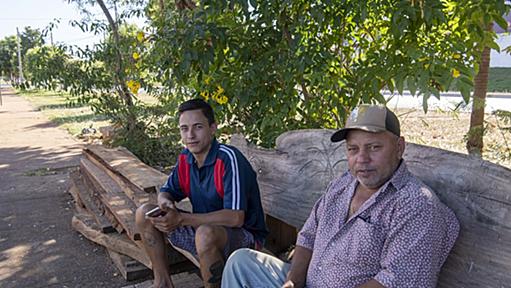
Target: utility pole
[[21, 79]]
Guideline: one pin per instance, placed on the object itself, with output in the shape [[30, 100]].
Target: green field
[[59, 109], [499, 80]]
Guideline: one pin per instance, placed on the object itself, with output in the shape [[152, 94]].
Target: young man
[[376, 226], [223, 190]]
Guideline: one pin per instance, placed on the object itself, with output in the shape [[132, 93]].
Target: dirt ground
[[447, 130], [38, 247]]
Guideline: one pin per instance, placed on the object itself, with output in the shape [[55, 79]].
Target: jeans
[[249, 268]]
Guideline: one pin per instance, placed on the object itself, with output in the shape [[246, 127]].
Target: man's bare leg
[[155, 246], [210, 241]]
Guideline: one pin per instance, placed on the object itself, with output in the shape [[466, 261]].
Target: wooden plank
[[116, 242], [129, 268], [84, 194], [128, 166], [294, 175], [112, 196], [137, 195], [73, 191], [96, 199]]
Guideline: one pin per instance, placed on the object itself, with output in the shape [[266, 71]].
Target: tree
[[8, 57], [271, 66], [30, 38], [476, 129]]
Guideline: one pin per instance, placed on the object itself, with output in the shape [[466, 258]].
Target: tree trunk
[[120, 78], [476, 130]]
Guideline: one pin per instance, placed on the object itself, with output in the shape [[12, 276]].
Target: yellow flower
[[133, 85], [222, 100], [140, 36], [207, 80], [455, 73], [205, 95], [136, 56], [456, 56], [214, 96], [219, 90]]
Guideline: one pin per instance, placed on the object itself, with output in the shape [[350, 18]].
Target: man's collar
[[400, 176]]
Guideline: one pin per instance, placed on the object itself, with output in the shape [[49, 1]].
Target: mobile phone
[[156, 212]]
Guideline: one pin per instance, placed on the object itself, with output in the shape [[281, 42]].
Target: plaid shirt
[[400, 236]]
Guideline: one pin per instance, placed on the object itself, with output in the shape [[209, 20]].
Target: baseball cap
[[370, 118]]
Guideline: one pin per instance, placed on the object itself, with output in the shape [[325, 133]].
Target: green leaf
[[410, 81], [501, 21]]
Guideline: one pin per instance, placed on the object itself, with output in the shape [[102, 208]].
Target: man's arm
[[224, 217], [299, 265], [417, 244], [174, 218]]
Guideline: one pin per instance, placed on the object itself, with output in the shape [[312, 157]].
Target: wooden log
[[123, 162], [137, 195], [116, 242], [112, 196], [129, 268], [294, 175], [84, 194]]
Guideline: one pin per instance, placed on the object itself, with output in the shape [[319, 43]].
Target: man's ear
[[213, 127], [401, 146]]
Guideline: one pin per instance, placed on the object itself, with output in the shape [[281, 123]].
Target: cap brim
[[341, 134]]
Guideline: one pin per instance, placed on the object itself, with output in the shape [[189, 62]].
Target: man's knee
[[209, 237], [140, 214], [242, 255]]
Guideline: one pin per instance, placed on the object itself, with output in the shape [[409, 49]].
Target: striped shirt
[[225, 181]]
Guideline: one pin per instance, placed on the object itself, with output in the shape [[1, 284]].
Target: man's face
[[373, 157], [196, 133]]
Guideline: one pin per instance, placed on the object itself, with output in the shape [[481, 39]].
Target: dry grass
[[447, 130]]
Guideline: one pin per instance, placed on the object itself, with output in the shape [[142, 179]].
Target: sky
[[39, 13]]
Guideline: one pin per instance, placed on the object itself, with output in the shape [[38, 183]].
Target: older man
[[376, 226]]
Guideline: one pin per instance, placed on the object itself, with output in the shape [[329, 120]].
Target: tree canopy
[[275, 65]]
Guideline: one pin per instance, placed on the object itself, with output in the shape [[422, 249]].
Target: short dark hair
[[197, 104]]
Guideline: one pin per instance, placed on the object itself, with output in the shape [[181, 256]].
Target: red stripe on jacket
[[218, 177], [183, 174]]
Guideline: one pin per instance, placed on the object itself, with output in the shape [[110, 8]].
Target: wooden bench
[[294, 175]]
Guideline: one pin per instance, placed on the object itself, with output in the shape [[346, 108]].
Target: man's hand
[[288, 284], [167, 223], [166, 204]]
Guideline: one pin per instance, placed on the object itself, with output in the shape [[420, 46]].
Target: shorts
[[184, 238]]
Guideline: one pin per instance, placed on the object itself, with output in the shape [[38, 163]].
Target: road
[[448, 100], [38, 247]]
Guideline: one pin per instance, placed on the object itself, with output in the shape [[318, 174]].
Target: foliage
[[8, 56], [29, 38], [266, 66], [302, 64]]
